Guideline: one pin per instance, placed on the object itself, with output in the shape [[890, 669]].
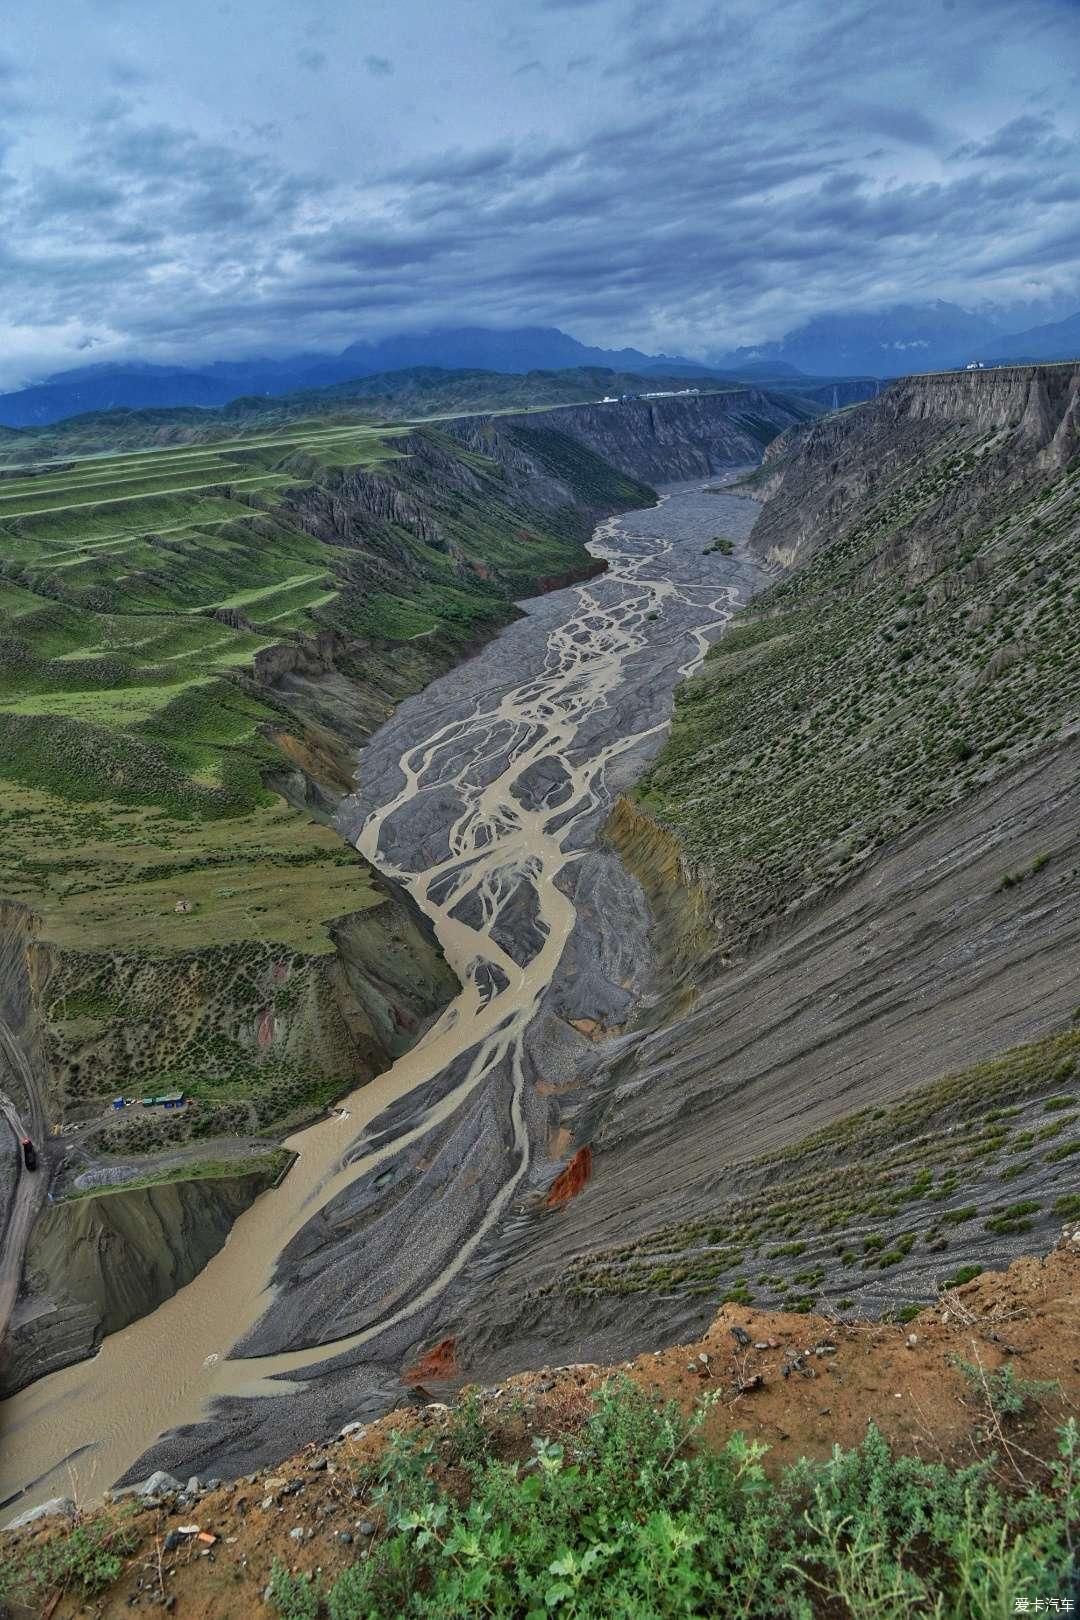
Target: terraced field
[[135, 592], [119, 577]]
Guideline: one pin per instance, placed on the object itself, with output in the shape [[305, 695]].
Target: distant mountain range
[[138, 386], [905, 338], [890, 343]]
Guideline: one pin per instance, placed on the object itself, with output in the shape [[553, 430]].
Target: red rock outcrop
[[570, 1181]]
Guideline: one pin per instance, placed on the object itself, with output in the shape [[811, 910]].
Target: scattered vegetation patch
[[82, 1563], [865, 1202], [895, 672]]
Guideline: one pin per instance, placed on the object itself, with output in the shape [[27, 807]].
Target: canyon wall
[[1024, 419], [668, 440], [864, 1081], [96, 1263]]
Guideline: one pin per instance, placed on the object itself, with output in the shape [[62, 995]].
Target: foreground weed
[[84, 1562], [633, 1518]]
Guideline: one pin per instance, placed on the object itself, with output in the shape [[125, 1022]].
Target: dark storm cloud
[[69, 195], [684, 175], [906, 125], [456, 168], [1021, 140]]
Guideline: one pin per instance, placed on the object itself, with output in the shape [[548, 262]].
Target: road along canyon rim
[[483, 796]]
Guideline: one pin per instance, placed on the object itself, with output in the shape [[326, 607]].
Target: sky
[[224, 178]]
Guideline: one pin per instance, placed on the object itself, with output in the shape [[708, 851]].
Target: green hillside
[[128, 731], [926, 646], [135, 592]]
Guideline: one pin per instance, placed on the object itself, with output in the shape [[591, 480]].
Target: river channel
[[484, 797]]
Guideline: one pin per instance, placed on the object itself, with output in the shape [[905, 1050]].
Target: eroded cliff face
[[96, 1263], [279, 1030], [682, 938], [500, 501], [665, 440], [1019, 424]]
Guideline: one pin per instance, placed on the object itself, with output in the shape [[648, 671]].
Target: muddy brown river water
[[479, 796]]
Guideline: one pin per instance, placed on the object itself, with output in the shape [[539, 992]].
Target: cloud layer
[[185, 183]]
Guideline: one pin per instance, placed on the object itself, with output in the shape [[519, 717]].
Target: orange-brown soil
[[438, 1364], [841, 1376]]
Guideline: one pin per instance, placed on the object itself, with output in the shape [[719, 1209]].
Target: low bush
[[83, 1562], [633, 1518]]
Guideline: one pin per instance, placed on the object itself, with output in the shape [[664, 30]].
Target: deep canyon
[[483, 798], [777, 1009]]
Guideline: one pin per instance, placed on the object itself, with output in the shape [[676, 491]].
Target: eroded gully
[[522, 752]]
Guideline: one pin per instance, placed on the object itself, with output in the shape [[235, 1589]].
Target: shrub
[[634, 1518], [1014, 1218], [84, 1560], [1007, 1395], [965, 1274]]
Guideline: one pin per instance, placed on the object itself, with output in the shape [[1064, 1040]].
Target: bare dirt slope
[[801, 1384]]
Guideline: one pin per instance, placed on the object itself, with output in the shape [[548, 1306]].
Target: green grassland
[[136, 590], [111, 877]]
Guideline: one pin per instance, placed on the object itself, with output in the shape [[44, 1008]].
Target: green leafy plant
[[633, 1517], [1007, 1394]]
